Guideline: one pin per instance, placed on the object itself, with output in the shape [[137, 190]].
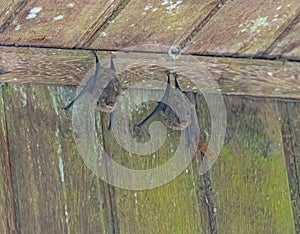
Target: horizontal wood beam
[[232, 76]]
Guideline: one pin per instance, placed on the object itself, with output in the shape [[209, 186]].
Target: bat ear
[[112, 57], [177, 86]]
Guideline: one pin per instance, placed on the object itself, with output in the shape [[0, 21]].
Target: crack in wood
[[12, 16], [16, 223], [105, 24], [283, 34], [189, 35], [291, 165]]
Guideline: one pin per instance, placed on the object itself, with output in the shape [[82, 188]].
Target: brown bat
[[109, 94], [169, 116]]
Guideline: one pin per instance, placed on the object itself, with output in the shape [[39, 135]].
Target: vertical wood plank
[[53, 189], [7, 224], [249, 184], [170, 208], [289, 113]]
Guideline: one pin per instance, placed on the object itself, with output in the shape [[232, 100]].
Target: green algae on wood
[[171, 208], [249, 180], [54, 191], [289, 114]]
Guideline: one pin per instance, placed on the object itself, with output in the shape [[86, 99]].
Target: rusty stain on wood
[[153, 22], [60, 24], [243, 28]]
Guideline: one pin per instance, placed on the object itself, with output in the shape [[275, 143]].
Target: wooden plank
[[7, 11], [53, 190], [249, 185], [44, 66], [7, 224], [289, 113], [288, 44], [69, 67], [242, 27], [153, 22], [58, 24], [175, 207]]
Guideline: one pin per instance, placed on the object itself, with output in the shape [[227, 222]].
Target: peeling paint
[[259, 22], [57, 132], [70, 4], [33, 12], [23, 96], [54, 102], [103, 34], [58, 17], [36, 10], [59, 149], [171, 5], [61, 169], [31, 16], [148, 7], [66, 214], [135, 197], [18, 27]]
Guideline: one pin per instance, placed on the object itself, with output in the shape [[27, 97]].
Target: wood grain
[[240, 27], [53, 190], [153, 22], [249, 186], [175, 207], [8, 10], [7, 209], [231, 76], [289, 113], [288, 44], [58, 24]]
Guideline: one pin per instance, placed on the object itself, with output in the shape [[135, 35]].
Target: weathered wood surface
[[288, 44], [154, 22], [7, 11], [45, 66], [263, 28], [58, 24], [176, 207], [7, 211], [53, 191], [70, 67], [249, 185], [243, 28], [289, 113], [246, 191]]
